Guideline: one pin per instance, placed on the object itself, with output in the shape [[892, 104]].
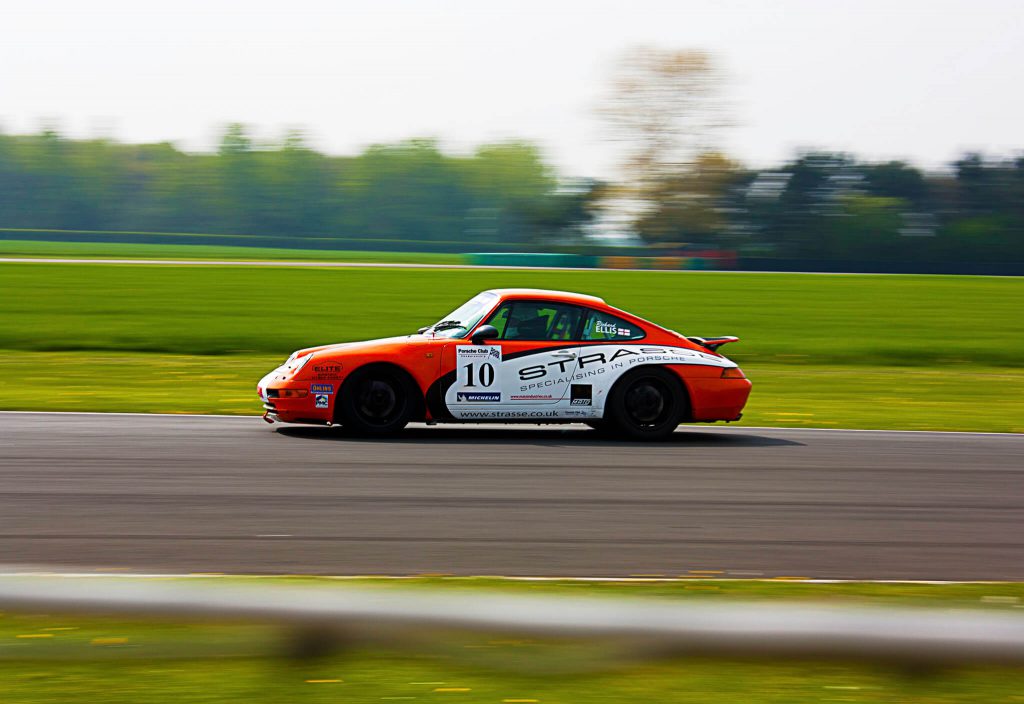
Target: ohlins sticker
[[322, 388], [581, 395]]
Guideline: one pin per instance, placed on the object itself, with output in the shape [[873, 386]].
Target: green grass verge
[[50, 658], [118, 250], [920, 398], [911, 352], [791, 318]]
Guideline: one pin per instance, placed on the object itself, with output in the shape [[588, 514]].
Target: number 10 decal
[[479, 374], [485, 375]]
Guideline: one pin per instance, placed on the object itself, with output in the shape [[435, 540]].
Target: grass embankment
[[73, 658], [912, 352]]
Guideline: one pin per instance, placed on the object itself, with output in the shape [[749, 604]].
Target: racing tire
[[646, 404], [377, 401]]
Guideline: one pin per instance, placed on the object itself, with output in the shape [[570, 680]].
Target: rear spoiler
[[713, 343]]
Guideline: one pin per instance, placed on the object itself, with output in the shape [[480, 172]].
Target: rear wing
[[713, 343]]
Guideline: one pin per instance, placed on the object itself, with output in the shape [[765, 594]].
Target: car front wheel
[[376, 401]]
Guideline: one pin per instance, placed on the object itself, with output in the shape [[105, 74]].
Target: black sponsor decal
[[326, 372], [581, 395]]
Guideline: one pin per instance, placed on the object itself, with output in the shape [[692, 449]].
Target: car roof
[[561, 296]]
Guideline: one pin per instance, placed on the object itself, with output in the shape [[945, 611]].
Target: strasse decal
[[612, 358], [510, 414]]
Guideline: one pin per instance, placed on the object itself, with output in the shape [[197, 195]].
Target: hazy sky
[[917, 79]]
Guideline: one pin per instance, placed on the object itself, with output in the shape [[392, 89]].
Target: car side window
[[536, 320], [500, 319], [604, 326]]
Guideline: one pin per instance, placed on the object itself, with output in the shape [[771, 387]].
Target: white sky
[[916, 79]]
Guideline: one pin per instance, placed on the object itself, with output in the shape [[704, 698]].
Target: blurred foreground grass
[[908, 352], [827, 396], [64, 658]]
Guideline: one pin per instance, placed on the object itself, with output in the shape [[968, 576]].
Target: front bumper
[[283, 403]]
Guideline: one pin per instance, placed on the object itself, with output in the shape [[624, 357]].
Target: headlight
[[294, 364]]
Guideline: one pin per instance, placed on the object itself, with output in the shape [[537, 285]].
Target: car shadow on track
[[537, 436]]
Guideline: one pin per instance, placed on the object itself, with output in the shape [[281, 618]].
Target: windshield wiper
[[447, 325]]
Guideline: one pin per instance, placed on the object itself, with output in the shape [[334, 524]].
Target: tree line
[[829, 206], [406, 191], [821, 206]]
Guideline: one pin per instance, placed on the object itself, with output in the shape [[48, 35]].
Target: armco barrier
[[582, 261], [915, 636]]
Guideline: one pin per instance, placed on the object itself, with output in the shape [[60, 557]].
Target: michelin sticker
[[478, 374], [487, 397]]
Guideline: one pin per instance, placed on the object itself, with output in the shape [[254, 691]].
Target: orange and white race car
[[512, 356]]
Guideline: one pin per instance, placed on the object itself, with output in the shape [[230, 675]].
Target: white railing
[[916, 636]]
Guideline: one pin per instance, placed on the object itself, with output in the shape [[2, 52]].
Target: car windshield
[[464, 318]]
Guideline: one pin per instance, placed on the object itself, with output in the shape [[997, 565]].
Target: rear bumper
[[717, 399]]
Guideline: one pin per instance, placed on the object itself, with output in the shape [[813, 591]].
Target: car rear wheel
[[647, 404], [377, 401]]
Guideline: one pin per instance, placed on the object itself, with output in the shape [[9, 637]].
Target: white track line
[[513, 426], [456, 578]]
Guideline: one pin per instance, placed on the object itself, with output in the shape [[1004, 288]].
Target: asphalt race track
[[215, 494]]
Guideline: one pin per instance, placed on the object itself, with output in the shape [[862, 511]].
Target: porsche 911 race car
[[515, 355]]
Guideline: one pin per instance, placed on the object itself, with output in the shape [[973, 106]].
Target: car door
[[526, 372]]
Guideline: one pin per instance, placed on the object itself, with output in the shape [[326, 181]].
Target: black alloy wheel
[[376, 401], [647, 404]]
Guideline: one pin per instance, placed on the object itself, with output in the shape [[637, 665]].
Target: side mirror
[[483, 333], [422, 329]]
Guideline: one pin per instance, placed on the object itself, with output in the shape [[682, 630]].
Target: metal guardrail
[[915, 636]]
